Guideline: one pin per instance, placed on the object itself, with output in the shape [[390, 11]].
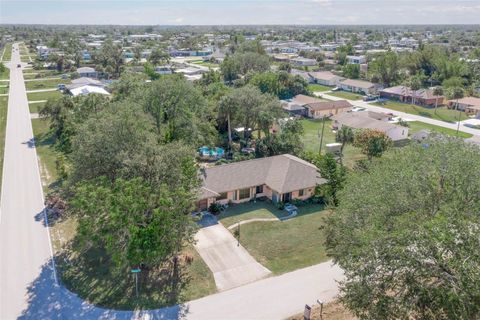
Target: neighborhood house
[[326, 78], [87, 72], [470, 105], [422, 97], [365, 120], [359, 86], [315, 108], [278, 178]]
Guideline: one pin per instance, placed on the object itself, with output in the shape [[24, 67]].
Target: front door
[[287, 197]]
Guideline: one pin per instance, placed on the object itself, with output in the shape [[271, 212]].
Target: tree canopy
[[407, 232]]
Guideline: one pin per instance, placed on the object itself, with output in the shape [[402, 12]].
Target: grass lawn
[[46, 153], [8, 52], [346, 95], [443, 113], [205, 63], [249, 210], [3, 90], [5, 75], [27, 74], [311, 140], [284, 246], [306, 68], [44, 84], [35, 107], [92, 278], [43, 95], [416, 126], [3, 126], [318, 88]]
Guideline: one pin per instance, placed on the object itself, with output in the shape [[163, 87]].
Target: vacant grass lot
[[8, 52], [416, 126], [284, 246], [35, 74], [311, 140], [45, 84], [205, 63], [442, 113], [46, 153], [346, 95], [35, 107], [35, 96], [318, 88], [3, 126], [5, 75]]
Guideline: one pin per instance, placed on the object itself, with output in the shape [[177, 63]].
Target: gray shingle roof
[[283, 173]]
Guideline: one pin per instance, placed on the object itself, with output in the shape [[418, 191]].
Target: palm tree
[[228, 109], [437, 91], [456, 93], [415, 85], [344, 135]]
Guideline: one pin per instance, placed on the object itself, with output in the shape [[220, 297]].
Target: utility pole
[[321, 136]]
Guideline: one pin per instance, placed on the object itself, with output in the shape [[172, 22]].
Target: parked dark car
[[370, 97], [19, 65]]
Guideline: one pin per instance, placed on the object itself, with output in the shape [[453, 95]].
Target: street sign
[[136, 272]]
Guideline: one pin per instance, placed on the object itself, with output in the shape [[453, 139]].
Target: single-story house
[[85, 81], [279, 178], [322, 109], [326, 78], [163, 70], [87, 72], [87, 89], [422, 97], [216, 57], [299, 61], [362, 120], [356, 59], [315, 108], [359, 86], [304, 74], [470, 105]]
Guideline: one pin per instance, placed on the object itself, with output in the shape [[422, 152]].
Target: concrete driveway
[[232, 265]]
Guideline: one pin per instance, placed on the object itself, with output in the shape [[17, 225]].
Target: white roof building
[[87, 89]]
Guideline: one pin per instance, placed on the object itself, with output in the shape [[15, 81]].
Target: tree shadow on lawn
[[92, 276], [47, 300]]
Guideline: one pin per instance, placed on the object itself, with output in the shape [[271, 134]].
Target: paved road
[[24, 240], [231, 264], [27, 279], [403, 115]]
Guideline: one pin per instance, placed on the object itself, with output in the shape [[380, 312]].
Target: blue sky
[[227, 12]]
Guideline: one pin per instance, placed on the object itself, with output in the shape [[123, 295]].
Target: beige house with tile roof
[[364, 120], [279, 178]]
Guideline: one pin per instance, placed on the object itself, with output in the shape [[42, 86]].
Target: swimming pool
[[211, 153]]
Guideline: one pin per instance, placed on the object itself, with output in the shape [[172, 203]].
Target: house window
[[223, 196], [244, 194], [259, 189], [301, 192]]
